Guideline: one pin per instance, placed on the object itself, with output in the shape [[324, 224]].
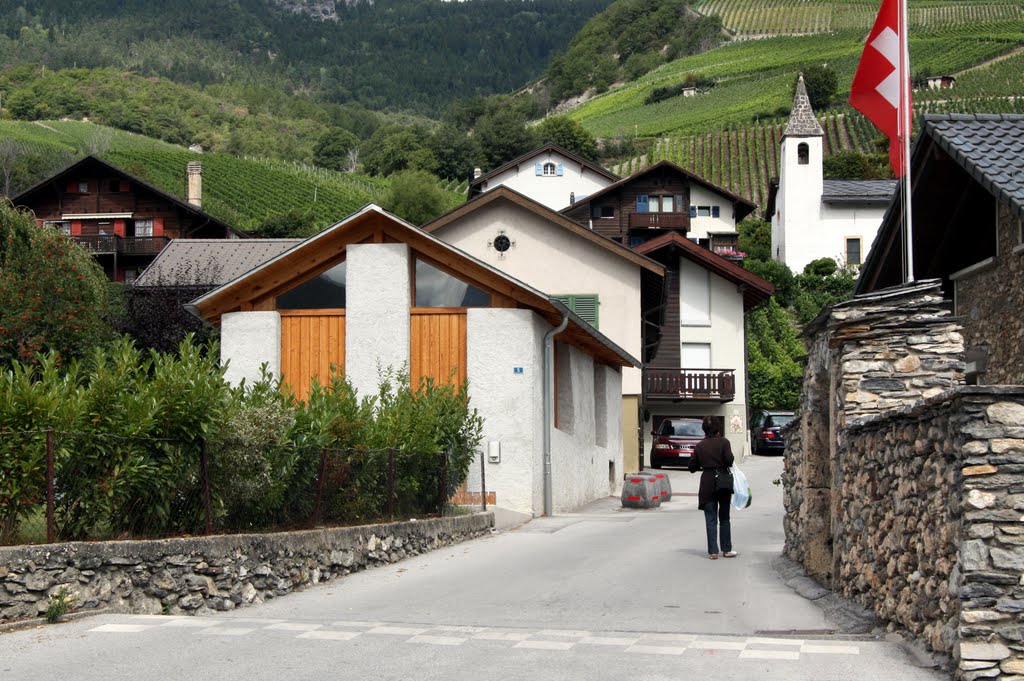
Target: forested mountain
[[396, 54]]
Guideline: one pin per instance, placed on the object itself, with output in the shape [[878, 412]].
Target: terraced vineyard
[[242, 192], [755, 18]]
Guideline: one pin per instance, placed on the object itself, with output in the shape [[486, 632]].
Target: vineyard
[[754, 78], [758, 18], [242, 192]]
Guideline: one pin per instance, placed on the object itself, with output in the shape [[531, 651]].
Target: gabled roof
[[506, 194], [743, 207], [88, 160], [802, 121], [858, 191], [989, 148], [372, 224], [210, 262], [547, 148], [755, 289]]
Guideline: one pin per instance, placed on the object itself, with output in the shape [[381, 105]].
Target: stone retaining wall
[[203, 574]]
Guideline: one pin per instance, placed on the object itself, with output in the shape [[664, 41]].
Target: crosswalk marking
[[545, 645], [769, 654], [226, 631], [122, 628], [437, 640], [330, 635], [656, 650]]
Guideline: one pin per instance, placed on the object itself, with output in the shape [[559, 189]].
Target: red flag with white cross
[[876, 91]]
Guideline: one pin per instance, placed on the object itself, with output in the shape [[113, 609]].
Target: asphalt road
[[606, 593]]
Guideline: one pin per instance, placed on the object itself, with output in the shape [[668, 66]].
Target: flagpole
[[906, 122]]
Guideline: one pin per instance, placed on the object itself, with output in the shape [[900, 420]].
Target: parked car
[[765, 437], [674, 442]]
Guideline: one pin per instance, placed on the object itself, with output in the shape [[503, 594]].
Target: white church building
[[813, 217]]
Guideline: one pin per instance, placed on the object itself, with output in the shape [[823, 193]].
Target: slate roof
[[802, 121], [210, 262], [990, 147], [858, 191]]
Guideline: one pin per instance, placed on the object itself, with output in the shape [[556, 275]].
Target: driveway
[[604, 593]]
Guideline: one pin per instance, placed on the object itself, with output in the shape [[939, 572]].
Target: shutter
[[559, 170], [715, 212], [586, 307], [123, 187], [119, 227], [693, 211], [158, 226], [76, 228], [641, 203], [72, 187], [539, 168]]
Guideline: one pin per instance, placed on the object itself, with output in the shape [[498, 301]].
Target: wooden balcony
[[678, 221], [124, 245], [709, 385]]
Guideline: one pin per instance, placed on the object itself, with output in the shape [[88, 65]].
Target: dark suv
[[674, 442], [765, 437]]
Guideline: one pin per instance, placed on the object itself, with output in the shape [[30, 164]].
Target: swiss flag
[[876, 85]]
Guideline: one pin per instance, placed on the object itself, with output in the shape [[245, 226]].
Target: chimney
[[195, 183], [476, 173]]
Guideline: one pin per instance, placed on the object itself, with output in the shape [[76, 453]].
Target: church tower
[[796, 225]]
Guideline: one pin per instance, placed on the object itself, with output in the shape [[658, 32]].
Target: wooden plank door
[[438, 345], [311, 341]]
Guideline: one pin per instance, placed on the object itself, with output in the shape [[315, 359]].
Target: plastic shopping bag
[[740, 489]]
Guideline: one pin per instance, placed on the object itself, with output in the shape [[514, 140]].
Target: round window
[[502, 243]]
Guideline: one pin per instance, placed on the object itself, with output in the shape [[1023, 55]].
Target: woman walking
[[713, 456]]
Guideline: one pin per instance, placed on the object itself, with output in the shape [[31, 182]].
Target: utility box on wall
[[494, 451]]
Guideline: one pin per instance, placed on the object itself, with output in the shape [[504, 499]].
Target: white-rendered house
[[549, 175], [606, 283], [374, 291], [817, 218]]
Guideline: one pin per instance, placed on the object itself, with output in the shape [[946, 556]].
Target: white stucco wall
[[553, 192], [556, 261], [700, 226], [377, 312], [841, 221], [498, 341], [248, 340], [580, 468], [798, 233]]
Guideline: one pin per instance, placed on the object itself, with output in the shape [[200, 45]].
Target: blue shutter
[[560, 170], [539, 168], [641, 203], [693, 211], [715, 211]]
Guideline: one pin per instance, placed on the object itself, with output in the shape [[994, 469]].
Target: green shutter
[[584, 305]]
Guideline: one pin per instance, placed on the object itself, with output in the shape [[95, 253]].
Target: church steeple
[[802, 121]]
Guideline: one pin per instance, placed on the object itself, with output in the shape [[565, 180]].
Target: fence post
[[318, 494], [483, 478], [51, 525], [442, 488], [391, 483], [204, 474]]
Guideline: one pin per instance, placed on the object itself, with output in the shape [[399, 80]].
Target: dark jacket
[[710, 455]]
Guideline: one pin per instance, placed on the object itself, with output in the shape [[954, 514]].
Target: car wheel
[[655, 465]]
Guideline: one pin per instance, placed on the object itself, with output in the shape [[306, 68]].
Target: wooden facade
[[312, 346], [438, 345], [123, 220]]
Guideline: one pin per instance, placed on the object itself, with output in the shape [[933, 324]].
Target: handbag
[[723, 481]]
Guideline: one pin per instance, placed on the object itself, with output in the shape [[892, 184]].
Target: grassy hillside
[[241, 191]]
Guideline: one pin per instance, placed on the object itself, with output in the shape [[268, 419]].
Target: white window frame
[[549, 169], [146, 227]]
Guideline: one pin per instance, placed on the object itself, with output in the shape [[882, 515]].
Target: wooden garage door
[[311, 341], [438, 345]]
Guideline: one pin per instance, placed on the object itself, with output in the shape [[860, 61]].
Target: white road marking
[[227, 631], [294, 626], [829, 649], [608, 641], [502, 635], [399, 631], [122, 628], [567, 633], [656, 650], [719, 645], [330, 635], [545, 645], [776, 641], [438, 640], [193, 623], [770, 654]]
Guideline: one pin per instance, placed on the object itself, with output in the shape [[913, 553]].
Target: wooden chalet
[[122, 219]]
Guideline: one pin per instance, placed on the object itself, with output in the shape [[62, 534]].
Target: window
[[703, 211], [695, 355], [435, 288], [583, 305], [130, 275], [803, 154], [144, 227], [63, 225], [641, 203], [607, 211], [83, 187], [853, 254], [549, 169], [324, 291], [694, 294]]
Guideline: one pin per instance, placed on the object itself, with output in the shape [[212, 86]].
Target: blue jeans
[[716, 516]]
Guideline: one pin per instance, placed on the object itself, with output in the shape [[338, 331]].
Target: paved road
[[601, 594]]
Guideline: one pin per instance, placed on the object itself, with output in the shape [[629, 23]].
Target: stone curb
[[18, 625]]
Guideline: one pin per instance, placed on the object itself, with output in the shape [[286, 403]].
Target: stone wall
[[203, 574], [995, 322]]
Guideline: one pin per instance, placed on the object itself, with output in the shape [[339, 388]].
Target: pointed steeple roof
[[802, 121]]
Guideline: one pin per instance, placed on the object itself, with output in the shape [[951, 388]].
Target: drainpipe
[[549, 408]]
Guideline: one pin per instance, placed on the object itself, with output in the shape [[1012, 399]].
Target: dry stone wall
[[203, 574]]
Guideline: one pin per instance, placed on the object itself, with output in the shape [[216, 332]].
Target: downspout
[[549, 408]]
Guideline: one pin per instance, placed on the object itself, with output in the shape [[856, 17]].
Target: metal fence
[[60, 486]]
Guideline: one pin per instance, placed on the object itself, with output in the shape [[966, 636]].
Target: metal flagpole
[[906, 123]]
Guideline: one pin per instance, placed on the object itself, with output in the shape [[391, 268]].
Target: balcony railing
[[659, 221], [126, 245], [718, 385]]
